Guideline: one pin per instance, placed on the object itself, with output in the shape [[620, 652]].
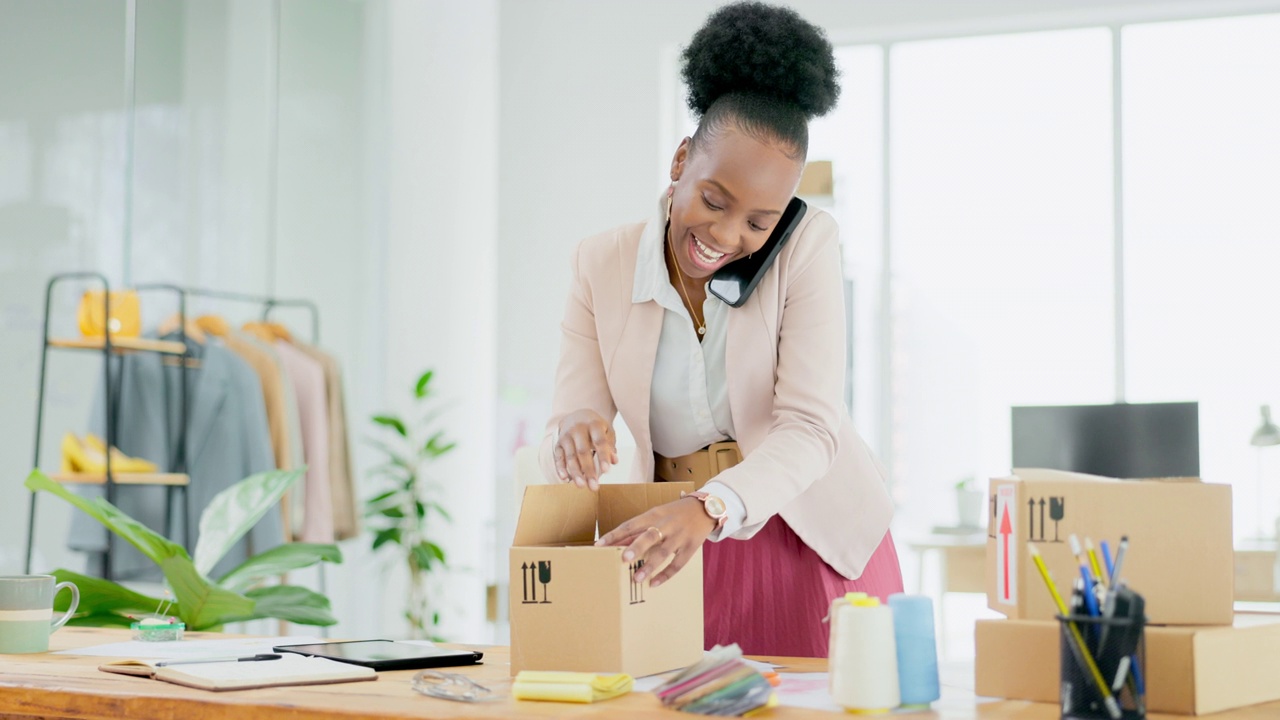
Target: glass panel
[[203, 149], [62, 110], [1002, 247], [1202, 174]]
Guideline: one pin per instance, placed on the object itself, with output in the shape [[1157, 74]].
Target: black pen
[[251, 658]]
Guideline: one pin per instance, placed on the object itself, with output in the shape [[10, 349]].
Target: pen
[[251, 658], [1120, 551], [1113, 708], [1093, 562], [1106, 559]]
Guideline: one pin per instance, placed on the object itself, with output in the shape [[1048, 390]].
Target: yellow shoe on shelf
[[90, 457], [72, 455], [119, 461]]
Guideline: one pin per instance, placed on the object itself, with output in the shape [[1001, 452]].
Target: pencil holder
[[1103, 667]]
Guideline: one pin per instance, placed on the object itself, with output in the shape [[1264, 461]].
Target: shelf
[[123, 479], [164, 347]]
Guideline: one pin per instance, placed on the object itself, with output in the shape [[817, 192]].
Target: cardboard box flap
[[620, 503], [556, 514], [1047, 475]]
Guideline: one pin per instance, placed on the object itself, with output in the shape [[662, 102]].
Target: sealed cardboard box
[[578, 607], [1179, 538], [1189, 670]]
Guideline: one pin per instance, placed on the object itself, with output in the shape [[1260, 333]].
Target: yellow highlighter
[[1113, 708]]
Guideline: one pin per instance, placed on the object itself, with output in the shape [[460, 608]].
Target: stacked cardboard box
[[1199, 657]]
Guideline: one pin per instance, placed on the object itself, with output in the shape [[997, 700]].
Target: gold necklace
[[702, 326]]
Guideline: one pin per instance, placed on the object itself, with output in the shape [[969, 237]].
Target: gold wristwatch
[[714, 506]]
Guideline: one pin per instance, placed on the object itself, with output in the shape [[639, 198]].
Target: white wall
[[441, 264]]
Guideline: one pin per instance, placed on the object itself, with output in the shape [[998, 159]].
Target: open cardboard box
[[1180, 546], [577, 607], [1189, 670]]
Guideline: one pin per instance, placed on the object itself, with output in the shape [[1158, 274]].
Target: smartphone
[[735, 282]]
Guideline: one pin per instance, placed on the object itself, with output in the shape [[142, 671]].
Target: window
[[1001, 227], [1202, 236]]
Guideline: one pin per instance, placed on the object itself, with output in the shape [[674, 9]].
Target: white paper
[[189, 649]]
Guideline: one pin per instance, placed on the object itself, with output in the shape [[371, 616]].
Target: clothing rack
[[175, 482]]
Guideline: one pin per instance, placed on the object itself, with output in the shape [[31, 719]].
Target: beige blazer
[[346, 520], [785, 363]]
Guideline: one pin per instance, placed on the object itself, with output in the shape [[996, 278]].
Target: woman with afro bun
[[748, 398]]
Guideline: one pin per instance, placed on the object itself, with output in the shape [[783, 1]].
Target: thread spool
[[917, 650], [864, 659]]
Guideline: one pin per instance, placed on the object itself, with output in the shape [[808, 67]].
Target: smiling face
[[729, 194]]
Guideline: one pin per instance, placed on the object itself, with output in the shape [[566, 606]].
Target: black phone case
[[735, 282], [454, 659]]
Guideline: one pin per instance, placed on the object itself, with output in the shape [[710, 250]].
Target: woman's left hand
[[678, 528]]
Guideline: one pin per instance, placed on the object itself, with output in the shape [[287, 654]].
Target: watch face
[[715, 506]]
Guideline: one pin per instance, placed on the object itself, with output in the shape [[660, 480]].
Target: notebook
[[288, 670]]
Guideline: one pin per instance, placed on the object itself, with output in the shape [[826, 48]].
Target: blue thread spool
[[917, 649]]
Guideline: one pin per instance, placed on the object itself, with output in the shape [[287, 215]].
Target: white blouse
[[689, 398]]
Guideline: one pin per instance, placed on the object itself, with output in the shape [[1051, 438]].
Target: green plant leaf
[[420, 509], [277, 561], [392, 422], [201, 604], [290, 603], [100, 620], [440, 509], [426, 554], [422, 389], [393, 455], [382, 496], [436, 446], [102, 597], [385, 536], [235, 510], [147, 541], [392, 512]]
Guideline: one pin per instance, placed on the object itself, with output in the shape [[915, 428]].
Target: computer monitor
[[1140, 440]]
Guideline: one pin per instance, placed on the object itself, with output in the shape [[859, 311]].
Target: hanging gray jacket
[[227, 440]]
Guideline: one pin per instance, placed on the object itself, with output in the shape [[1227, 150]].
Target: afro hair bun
[[758, 49]]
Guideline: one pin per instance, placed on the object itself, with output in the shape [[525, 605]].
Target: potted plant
[[402, 514], [201, 602], [969, 503]]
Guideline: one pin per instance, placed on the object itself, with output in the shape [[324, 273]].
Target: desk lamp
[[1267, 435]]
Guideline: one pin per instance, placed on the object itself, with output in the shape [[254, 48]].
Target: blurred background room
[[1043, 203]]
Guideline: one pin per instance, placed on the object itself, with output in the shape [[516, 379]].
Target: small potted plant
[[969, 503]]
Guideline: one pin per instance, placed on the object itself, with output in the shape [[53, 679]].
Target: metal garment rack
[[108, 347]]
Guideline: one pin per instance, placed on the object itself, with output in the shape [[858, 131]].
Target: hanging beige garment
[[346, 515]]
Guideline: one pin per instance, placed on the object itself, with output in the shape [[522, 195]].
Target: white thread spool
[[864, 655]]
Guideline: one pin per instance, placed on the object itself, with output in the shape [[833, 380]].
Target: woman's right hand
[[585, 449]]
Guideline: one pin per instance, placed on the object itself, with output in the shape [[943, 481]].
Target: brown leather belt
[[698, 467]]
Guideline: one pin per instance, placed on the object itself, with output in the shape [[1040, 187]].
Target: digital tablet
[[386, 654]]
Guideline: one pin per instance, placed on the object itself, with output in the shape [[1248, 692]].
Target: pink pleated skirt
[[770, 594]]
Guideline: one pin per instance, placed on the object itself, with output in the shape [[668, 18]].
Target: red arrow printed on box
[[1006, 529]]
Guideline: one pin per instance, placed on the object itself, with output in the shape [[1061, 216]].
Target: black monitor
[[1141, 440]]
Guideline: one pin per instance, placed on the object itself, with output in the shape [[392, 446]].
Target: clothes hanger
[[268, 331], [174, 321], [215, 325]]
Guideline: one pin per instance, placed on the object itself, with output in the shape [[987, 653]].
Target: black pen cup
[[1116, 648]]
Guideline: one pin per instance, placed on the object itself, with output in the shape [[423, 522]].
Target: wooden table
[[70, 686]]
